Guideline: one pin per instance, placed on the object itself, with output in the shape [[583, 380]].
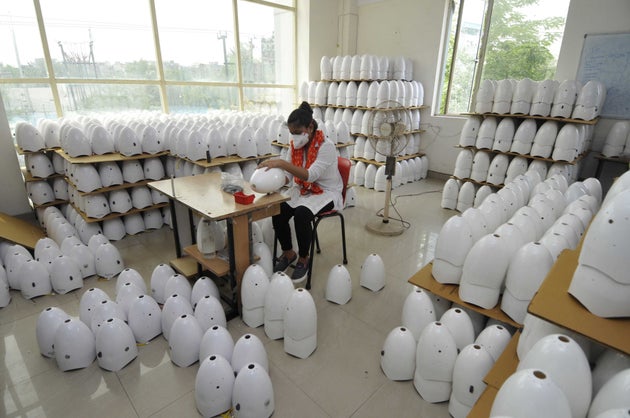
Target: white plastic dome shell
[[102, 142], [530, 392], [253, 394], [74, 345], [449, 194], [47, 323], [39, 165], [468, 137], [144, 318], [130, 275], [471, 366], [494, 338], [160, 275], [417, 312], [487, 131], [34, 279], [265, 180], [463, 164], [249, 349], [614, 394], [460, 325], [214, 384], [65, 275], [185, 340], [28, 137], [253, 288], [5, 292], [398, 355], [481, 164], [178, 284], [40, 192], [204, 286], [435, 358], [504, 135], [482, 193], [300, 324], [502, 97], [209, 312], [174, 307], [110, 174], [132, 171], [373, 273], [217, 340], [497, 169], [453, 244], [276, 299], [522, 96], [115, 345], [466, 196]]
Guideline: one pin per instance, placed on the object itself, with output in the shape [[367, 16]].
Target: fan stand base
[[384, 227]]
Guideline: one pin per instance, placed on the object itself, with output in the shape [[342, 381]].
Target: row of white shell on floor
[[192, 136], [522, 235], [379, 149], [550, 140], [461, 195], [365, 67], [569, 99], [363, 122], [617, 143], [374, 94], [373, 176]]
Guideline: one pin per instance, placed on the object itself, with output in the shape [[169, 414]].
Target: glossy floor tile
[[342, 378]]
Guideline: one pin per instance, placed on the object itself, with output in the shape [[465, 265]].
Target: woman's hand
[[273, 163]]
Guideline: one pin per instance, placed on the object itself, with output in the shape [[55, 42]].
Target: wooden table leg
[[242, 254]]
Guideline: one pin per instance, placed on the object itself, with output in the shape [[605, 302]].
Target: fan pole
[[383, 226]]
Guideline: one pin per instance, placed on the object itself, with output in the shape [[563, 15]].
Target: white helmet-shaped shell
[[102, 141], [524, 136], [522, 97], [355, 67], [105, 310], [209, 312], [453, 244], [253, 288], [503, 97], [339, 285], [267, 180], [246, 146], [65, 275], [594, 188], [351, 94], [543, 98], [145, 318], [340, 100], [564, 99], [132, 171], [110, 174], [600, 282], [50, 131], [153, 169], [449, 194], [178, 284], [362, 95], [214, 385], [370, 172], [204, 286], [126, 294], [74, 345], [46, 252], [487, 131], [590, 100], [39, 165], [5, 293], [300, 324], [150, 140], [485, 97], [483, 192], [134, 223], [28, 137], [468, 137], [276, 298], [114, 229], [128, 142], [477, 223], [398, 356], [567, 143], [325, 68], [564, 362], [504, 135], [88, 302], [86, 178], [152, 219], [115, 345], [174, 307], [96, 206], [460, 325], [471, 366], [60, 188], [481, 164], [380, 180], [249, 348], [418, 312], [466, 196], [47, 323], [463, 164], [120, 201], [359, 172], [34, 279], [497, 169], [332, 93], [263, 142], [217, 143], [613, 395], [494, 338], [253, 392], [108, 261], [184, 341], [372, 98], [517, 166], [531, 392], [373, 273], [481, 283], [217, 340], [40, 192], [160, 275], [435, 358]]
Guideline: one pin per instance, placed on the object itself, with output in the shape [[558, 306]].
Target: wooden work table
[[202, 194]]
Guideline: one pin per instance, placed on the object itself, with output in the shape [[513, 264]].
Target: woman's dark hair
[[302, 116]]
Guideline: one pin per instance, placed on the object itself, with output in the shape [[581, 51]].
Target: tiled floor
[[342, 378]]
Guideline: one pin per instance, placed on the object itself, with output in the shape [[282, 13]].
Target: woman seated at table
[[316, 185]]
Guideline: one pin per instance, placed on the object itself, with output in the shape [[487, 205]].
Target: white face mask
[[299, 140]]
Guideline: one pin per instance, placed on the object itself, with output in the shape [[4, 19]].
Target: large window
[[498, 39], [63, 57]]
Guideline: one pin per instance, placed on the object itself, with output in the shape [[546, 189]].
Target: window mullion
[[481, 53], [454, 56]]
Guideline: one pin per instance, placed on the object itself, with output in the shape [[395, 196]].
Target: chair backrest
[[344, 165]]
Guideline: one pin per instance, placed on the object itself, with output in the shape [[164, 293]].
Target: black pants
[[303, 226]]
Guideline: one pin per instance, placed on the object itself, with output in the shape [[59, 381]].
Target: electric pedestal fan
[[387, 128]]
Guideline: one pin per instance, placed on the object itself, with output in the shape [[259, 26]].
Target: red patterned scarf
[[297, 159]]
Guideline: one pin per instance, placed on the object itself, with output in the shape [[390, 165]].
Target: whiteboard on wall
[[606, 57]]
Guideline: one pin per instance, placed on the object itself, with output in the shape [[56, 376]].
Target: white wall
[[13, 200], [413, 28]]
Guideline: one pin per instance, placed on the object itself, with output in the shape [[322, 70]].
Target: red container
[[243, 199]]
